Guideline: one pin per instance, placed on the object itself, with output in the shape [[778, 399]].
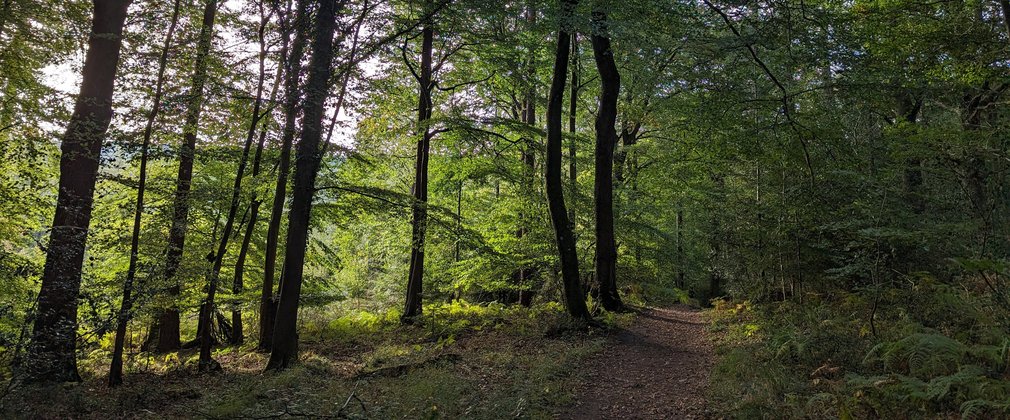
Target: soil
[[657, 368]]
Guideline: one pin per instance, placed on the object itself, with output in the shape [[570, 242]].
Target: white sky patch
[[62, 78], [65, 77]]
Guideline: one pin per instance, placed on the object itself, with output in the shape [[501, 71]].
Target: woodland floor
[[656, 368], [502, 365]]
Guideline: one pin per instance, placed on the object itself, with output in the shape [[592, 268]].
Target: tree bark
[[574, 297], [292, 92], [908, 110], [529, 117], [715, 242], [285, 346], [680, 248], [573, 106], [255, 202], [116, 367], [52, 352], [207, 363], [168, 322], [606, 138], [419, 213]]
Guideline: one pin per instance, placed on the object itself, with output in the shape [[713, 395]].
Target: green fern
[[984, 409], [919, 355], [964, 382]]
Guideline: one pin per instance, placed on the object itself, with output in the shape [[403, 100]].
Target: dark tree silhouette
[[116, 367], [606, 139], [168, 322], [52, 352], [419, 212], [574, 297], [284, 352], [292, 93]]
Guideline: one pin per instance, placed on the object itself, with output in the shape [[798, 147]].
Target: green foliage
[[919, 355], [836, 170], [510, 362], [815, 360]]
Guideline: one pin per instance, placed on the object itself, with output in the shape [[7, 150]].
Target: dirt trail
[[658, 368]]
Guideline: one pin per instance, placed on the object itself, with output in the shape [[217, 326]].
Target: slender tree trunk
[[976, 167], [908, 110], [292, 92], [573, 106], [168, 322], [525, 273], [207, 363], [116, 367], [715, 241], [419, 214], [345, 78], [237, 280], [573, 296], [255, 202], [680, 248], [606, 138], [759, 203], [52, 353], [459, 222], [285, 347]]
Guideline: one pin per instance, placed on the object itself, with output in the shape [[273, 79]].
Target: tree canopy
[[248, 171]]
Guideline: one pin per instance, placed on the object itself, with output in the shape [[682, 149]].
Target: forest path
[[657, 368]]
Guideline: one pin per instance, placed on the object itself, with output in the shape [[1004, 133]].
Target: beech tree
[[52, 354], [419, 208], [255, 201], [168, 323], [126, 306], [284, 351], [606, 140], [573, 296], [295, 25]]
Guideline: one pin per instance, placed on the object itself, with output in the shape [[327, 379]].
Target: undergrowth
[[932, 351], [461, 360]]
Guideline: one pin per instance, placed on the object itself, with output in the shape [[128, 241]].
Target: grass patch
[[505, 363]]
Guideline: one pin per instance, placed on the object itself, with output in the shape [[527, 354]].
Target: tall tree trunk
[[168, 322], [419, 214], [908, 110], [255, 201], [976, 168], [285, 347], [606, 138], [573, 106], [680, 248], [52, 353], [525, 274], [237, 280], [116, 367], [292, 92], [567, 252], [715, 242], [209, 309]]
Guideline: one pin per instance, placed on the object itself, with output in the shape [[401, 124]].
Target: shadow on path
[[658, 368]]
